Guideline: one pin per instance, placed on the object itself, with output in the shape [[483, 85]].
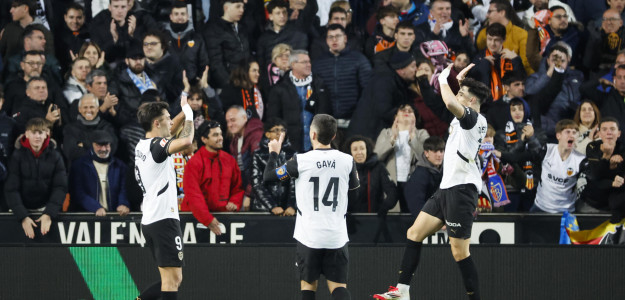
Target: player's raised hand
[[204, 79], [460, 77], [183, 100], [185, 82], [276, 145], [442, 77]]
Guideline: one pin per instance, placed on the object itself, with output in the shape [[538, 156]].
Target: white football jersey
[[323, 179], [555, 192], [465, 137], [155, 174]]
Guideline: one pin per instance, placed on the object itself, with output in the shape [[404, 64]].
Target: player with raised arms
[[454, 203], [323, 179]]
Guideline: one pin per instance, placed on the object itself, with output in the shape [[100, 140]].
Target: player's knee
[[414, 234], [459, 253], [341, 293]]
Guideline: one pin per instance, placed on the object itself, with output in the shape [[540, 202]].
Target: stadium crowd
[[74, 73]]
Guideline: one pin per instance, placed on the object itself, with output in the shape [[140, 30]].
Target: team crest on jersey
[[180, 255], [191, 43], [569, 171], [163, 142]]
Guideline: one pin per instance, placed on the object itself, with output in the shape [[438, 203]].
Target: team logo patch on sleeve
[[163, 142], [282, 173]]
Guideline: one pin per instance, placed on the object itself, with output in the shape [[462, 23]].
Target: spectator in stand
[[377, 108], [96, 57], [440, 26], [204, 102], [34, 40], [435, 117], [186, 43], [605, 42], [79, 134], [515, 145], [538, 5], [246, 135], [31, 66], [302, 13], [559, 168], [164, 68], [243, 90], [71, 35], [279, 31], [319, 45], [276, 197], [427, 176], [587, 118], [23, 15], [497, 112], [610, 104], [555, 88], [605, 82], [601, 169], [404, 42], [97, 84], [7, 137], [114, 29], [377, 193], [347, 70], [383, 37], [279, 66], [38, 105], [212, 180], [75, 86], [226, 41], [299, 84], [37, 182], [501, 11], [492, 63], [356, 33], [413, 11], [400, 147], [558, 29], [97, 180]]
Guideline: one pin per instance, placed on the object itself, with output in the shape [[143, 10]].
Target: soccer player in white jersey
[[455, 201], [155, 174], [323, 179]]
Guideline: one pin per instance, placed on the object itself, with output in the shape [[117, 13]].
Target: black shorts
[[332, 263], [164, 238], [456, 207]]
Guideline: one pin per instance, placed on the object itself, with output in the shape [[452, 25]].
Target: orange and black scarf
[[496, 74]]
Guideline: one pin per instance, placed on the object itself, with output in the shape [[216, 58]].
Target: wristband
[[184, 94], [442, 80], [188, 112]]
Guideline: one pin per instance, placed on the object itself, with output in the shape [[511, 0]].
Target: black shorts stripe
[[162, 190]]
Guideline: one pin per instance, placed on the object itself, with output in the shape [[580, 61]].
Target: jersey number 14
[[333, 186]]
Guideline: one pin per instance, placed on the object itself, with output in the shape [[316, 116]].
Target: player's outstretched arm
[[185, 139], [274, 173], [447, 94]]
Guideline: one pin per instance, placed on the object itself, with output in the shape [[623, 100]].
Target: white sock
[[404, 288]]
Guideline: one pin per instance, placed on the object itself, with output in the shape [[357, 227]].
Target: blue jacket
[[84, 184]]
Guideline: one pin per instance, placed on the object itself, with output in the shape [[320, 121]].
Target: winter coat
[[381, 59], [85, 188], [610, 104], [12, 41], [226, 48], [422, 184], [290, 35], [268, 195], [378, 37], [65, 40], [73, 90], [347, 76], [129, 97], [33, 182], [167, 74], [78, 132], [598, 175], [558, 96], [253, 133], [377, 193], [516, 40], [189, 47], [210, 181], [376, 108], [453, 39], [482, 70], [386, 150], [33, 109], [284, 103]]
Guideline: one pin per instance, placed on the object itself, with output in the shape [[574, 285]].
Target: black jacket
[[232, 95], [376, 192], [190, 49], [33, 109], [422, 184], [78, 132], [375, 110], [35, 182], [129, 97], [100, 31], [290, 35], [167, 74], [347, 76], [377, 37], [65, 40], [268, 195], [284, 103], [610, 104], [599, 176], [226, 48]]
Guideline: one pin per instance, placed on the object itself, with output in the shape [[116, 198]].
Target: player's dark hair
[[496, 30], [325, 126], [273, 122], [273, 4], [610, 119], [511, 77], [404, 25], [477, 89], [386, 11], [150, 111], [434, 143], [347, 145], [566, 124]]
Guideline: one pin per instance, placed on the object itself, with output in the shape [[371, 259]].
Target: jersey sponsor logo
[[282, 173], [558, 179], [451, 224], [163, 142], [326, 164]]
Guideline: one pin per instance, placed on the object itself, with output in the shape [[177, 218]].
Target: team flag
[[605, 234]]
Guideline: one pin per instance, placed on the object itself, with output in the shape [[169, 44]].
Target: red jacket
[[210, 181]]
